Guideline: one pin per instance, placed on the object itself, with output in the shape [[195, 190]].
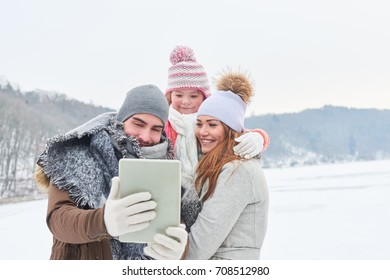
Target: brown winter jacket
[[78, 234]]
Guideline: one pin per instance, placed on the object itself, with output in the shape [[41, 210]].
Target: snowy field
[[327, 212]]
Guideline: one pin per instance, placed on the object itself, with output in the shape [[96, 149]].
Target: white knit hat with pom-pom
[[229, 102], [185, 72]]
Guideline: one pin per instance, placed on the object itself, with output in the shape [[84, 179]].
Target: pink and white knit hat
[[185, 72]]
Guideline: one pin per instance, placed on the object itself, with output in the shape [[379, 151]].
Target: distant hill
[[58, 111], [26, 120], [329, 134]]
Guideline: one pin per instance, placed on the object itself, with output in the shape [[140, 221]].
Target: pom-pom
[[182, 53], [237, 83]]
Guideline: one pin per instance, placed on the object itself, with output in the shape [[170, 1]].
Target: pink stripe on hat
[[185, 72]]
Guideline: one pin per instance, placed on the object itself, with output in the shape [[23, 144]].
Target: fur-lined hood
[[41, 179]]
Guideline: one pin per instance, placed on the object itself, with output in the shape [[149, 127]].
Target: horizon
[[251, 112], [16, 87]]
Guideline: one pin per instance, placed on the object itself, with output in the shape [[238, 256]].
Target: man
[[79, 170]]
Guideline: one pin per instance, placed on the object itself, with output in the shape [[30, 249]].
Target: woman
[[233, 191]]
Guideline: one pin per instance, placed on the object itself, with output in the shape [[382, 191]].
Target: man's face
[[145, 127]]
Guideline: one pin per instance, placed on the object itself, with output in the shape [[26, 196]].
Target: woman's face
[[210, 132], [186, 101], [145, 127]]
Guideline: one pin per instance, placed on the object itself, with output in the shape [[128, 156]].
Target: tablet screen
[[162, 178]]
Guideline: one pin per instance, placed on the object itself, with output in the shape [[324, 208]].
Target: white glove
[[250, 145], [128, 214], [170, 246]]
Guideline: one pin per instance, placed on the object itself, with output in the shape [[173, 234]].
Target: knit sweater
[[233, 221]]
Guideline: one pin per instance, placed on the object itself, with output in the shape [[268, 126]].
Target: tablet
[[162, 178]]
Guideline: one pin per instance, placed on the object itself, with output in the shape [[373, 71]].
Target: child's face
[[186, 101]]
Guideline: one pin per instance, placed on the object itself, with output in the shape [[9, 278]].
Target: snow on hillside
[[5, 83]]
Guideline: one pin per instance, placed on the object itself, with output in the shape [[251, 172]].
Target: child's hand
[[250, 145]]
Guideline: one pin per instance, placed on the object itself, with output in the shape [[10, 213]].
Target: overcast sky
[[300, 54]]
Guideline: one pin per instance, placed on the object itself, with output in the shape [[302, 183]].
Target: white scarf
[[185, 146]]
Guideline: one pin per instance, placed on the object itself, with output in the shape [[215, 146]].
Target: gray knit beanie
[[146, 99]]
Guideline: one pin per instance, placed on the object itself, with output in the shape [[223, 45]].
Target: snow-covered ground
[[338, 211], [327, 212]]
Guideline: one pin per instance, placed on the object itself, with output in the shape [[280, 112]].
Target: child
[[188, 86]]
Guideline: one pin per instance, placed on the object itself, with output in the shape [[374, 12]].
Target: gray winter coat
[[233, 221]]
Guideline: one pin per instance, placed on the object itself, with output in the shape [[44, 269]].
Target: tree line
[[328, 134], [26, 121]]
